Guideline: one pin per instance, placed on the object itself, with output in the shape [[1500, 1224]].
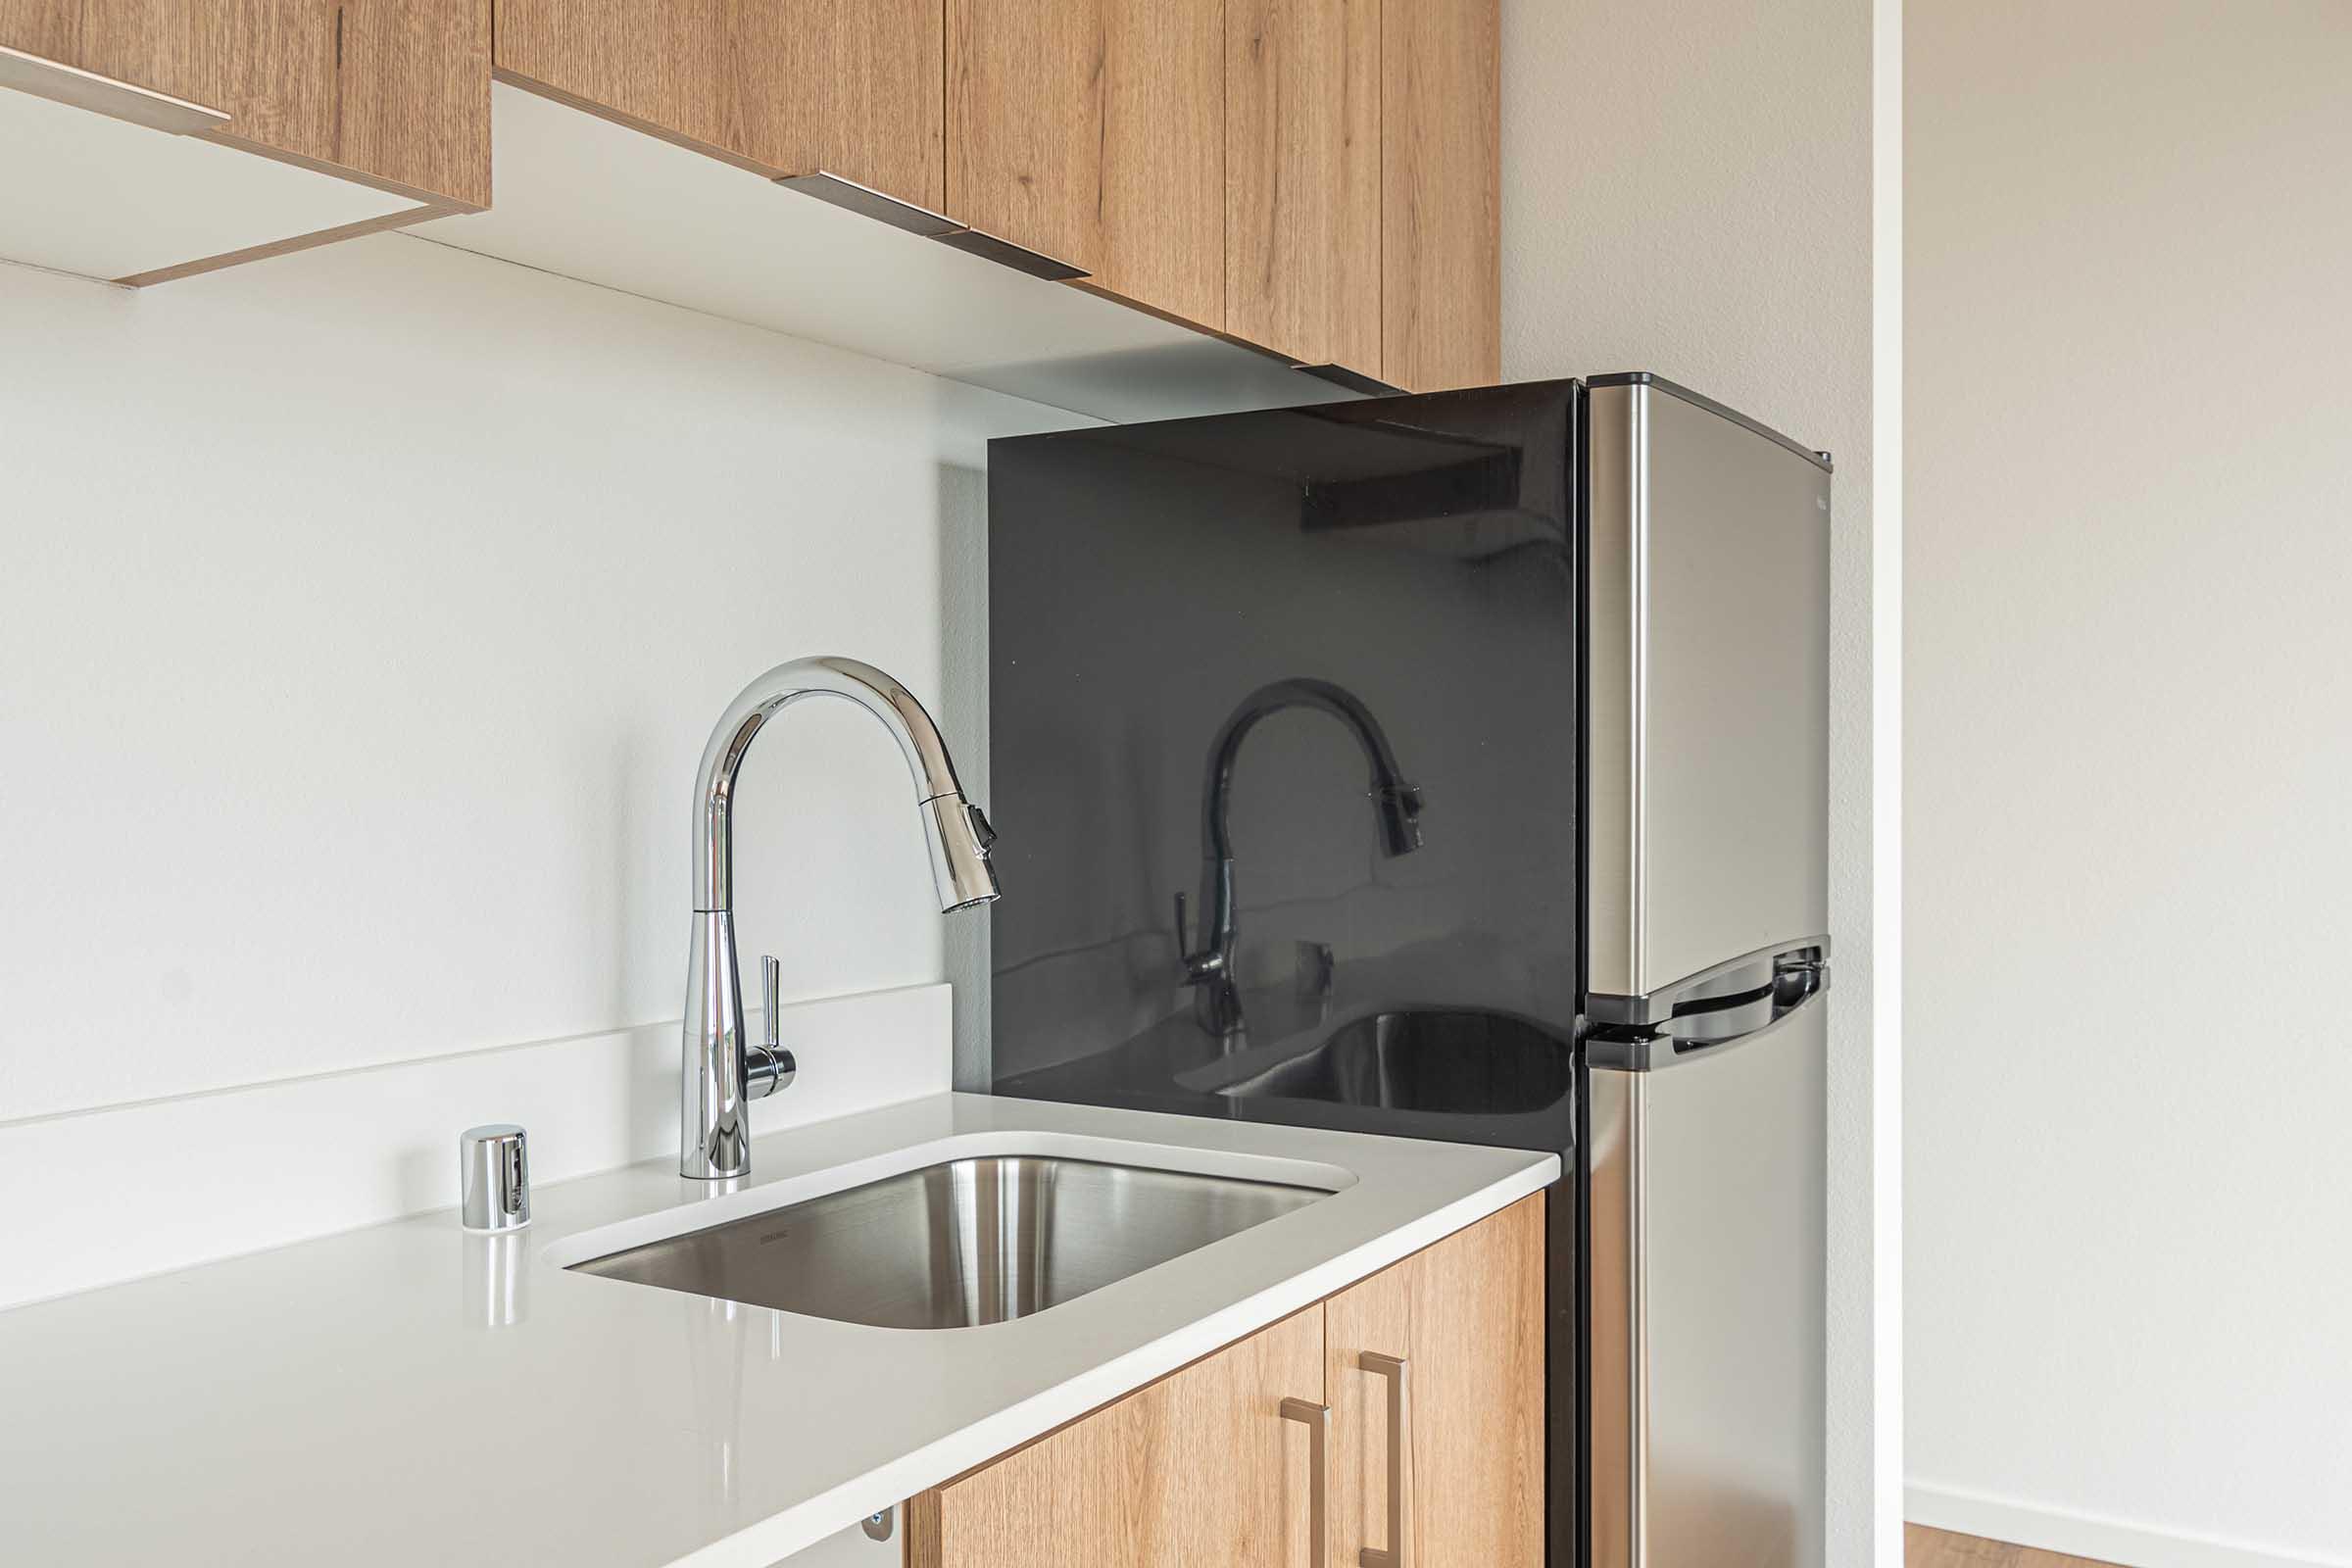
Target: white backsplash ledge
[[95, 1197]]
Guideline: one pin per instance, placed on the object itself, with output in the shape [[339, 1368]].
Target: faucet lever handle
[[1194, 967], [770, 1066], [771, 994]]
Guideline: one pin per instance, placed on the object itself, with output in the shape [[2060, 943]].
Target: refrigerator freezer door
[[1709, 688], [1707, 1237]]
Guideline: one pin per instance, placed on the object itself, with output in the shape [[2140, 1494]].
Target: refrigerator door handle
[[1708, 1012]]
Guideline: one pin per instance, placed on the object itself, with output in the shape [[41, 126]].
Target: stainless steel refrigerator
[[1706, 949], [1456, 767]]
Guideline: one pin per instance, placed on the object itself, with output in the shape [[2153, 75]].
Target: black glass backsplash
[[1340, 642]]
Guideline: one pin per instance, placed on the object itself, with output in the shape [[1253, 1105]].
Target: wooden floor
[[1941, 1548]]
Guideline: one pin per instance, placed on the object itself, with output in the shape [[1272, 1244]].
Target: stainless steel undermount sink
[[959, 1243]]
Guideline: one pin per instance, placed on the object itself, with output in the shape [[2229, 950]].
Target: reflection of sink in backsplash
[[1275, 1042], [1515, 1093], [1394, 1034], [1451, 1061], [1135, 1008], [1421, 977]]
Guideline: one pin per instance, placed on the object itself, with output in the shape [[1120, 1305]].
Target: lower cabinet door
[[1433, 1368], [1211, 1466]]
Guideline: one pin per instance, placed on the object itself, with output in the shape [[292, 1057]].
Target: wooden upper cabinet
[[1442, 194], [784, 87], [1092, 132], [1451, 1423], [414, 95], [391, 93], [1319, 178], [1200, 1468], [1302, 229], [270, 66]]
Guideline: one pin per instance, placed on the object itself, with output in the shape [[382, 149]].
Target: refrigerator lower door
[[1707, 1235]]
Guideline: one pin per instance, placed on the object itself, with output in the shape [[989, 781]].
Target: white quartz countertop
[[409, 1394]]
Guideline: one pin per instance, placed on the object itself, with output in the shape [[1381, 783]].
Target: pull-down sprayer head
[[958, 836]]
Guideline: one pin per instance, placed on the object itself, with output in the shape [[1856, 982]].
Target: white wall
[[362, 618], [2129, 454], [1686, 189]]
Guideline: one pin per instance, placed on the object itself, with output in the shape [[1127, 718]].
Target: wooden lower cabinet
[[1200, 1467], [1465, 1320], [1205, 1467]]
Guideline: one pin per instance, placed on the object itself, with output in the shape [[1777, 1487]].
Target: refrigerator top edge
[[1818, 459], [1385, 405]]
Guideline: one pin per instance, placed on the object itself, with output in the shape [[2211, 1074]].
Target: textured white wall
[[363, 615], [1686, 189], [2129, 507]]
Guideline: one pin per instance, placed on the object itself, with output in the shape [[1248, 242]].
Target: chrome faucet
[[720, 1072], [1396, 814]]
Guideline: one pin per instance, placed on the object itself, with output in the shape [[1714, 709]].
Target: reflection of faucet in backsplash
[[1396, 806]]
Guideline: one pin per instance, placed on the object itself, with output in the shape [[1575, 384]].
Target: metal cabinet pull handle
[[1316, 1418], [1398, 1372]]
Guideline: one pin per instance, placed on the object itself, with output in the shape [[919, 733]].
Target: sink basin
[[959, 1243], [1459, 1062]]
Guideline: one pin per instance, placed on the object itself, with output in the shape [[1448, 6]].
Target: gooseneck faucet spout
[[719, 1072], [1396, 814]]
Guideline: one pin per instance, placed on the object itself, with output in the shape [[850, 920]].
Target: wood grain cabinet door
[[414, 103], [1433, 1368], [1198, 1470], [1302, 229], [1092, 132], [848, 87], [394, 93], [1442, 194]]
